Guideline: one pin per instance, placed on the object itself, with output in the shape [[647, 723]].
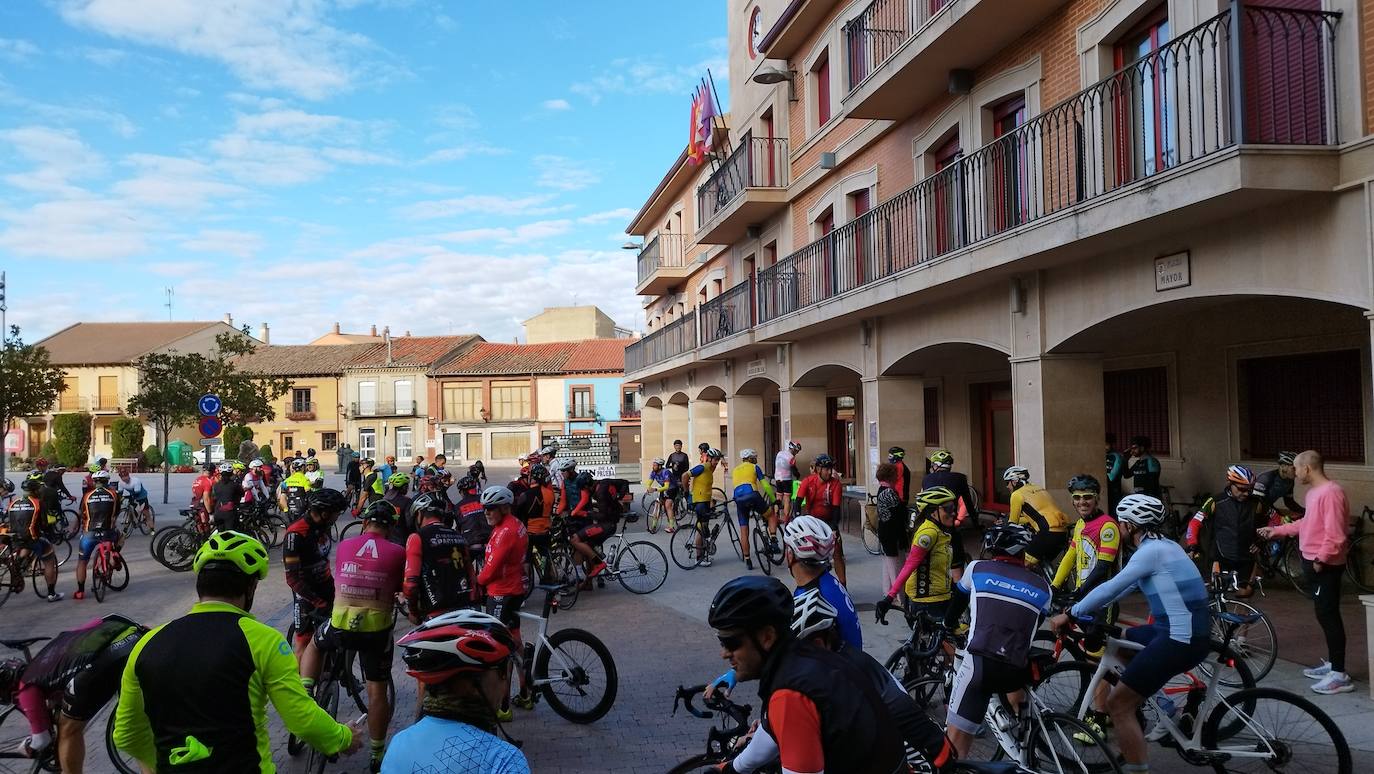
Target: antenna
[[169, 293]]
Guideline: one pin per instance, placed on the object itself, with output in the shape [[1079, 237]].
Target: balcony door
[[947, 196], [826, 224], [1009, 166], [861, 236], [1285, 78], [404, 391], [367, 399], [108, 399], [1145, 112]]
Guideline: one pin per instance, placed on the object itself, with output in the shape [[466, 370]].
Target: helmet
[[751, 602], [6, 485], [381, 512], [1240, 476], [824, 461], [703, 447], [896, 453], [101, 475], [297, 464], [456, 642], [243, 551], [255, 464], [810, 539], [398, 480], [41, 462], [224, 467], [941, 458], [748, 454], [659, 461], [93, 467], [467, 484], [565, 464], [1141, 510], [585, 478], [539, 474], [793, 447], [1016, 473], [713, 453], [548, 450], [10, 671], [934, 496], [1285, 458], [31, 484], [311, 461], [238, 467], [1084, 483], [1010, 539], [326, 500], [497, 496], [429, 502], [811, 614]]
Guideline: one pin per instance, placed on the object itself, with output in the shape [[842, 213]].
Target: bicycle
[[570, 668], [686, 553], [921, 663], [134, 516], [1359, 562], [722, 738], [9, 745], [1256, 643], [14, 567], [640, 566], [1259, 725], [108, 570], [339, 670], [654, 510]]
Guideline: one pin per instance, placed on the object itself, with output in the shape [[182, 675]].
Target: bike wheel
[[6, 580], [352, 529], [1257, 643], [581, 675], [1301, 736], [646, 500], [760, 544], [178, 551], [1359, 564], [683, 547], [36, 577], [1062, 744], [641, 567], [1292, 567], [62, 549], [871, 544], [564, 570], [734, 537], [119, 574], [700, 763], [327, 696], [652, 512], [122, 761], [100, 575], [1061, 687], [147, 519], [718, 495]]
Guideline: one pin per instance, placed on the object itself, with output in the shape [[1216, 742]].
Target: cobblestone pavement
[[658, 642]]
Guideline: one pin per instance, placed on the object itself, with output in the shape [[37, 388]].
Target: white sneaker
[[1336, 682], [1157, 732], [704, 562], [1317, 672]]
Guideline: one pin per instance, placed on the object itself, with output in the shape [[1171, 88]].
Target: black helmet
[[539, 474], [326, 501], [751, 602], [32, 484], [896, 453], [824, 461], [7, 485], [585, 478], [429, 502], [467, 484], [381, 512], [1084, 483], [1010, 539]]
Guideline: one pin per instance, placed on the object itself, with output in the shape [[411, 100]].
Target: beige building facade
[[1010, 229]]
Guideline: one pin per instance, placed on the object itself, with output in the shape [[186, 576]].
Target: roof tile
[[422, 351], [301, 359], [598, 355]]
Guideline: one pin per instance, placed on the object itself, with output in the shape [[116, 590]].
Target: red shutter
[[1299, 402], [1136, 402], [1285, 87], [823, 91]]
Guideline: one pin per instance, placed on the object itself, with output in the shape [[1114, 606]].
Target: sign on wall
[[1173, 271], [756, 368]]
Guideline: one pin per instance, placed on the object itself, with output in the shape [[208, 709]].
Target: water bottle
[[1166, 705]]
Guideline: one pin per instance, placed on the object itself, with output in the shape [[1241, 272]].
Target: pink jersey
[[368, 571]]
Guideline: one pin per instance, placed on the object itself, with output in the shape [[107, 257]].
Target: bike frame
[[541, 643]]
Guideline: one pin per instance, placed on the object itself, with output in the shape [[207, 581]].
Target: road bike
[[135, 516], [109, 571], [15, 566], [340, 676], [1257, 643], [570, 668], [723, 736], [870, 527], [1359, 561], [13, 733], [654, 511], [640, 566], [686, 553], [554, 566]]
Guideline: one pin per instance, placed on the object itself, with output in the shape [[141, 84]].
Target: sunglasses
[[731, 641], [1083, 496]]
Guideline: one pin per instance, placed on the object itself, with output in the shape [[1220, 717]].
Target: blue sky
[[433, 166]]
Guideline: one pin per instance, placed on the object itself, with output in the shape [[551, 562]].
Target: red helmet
[[456, 642], [41, 462]]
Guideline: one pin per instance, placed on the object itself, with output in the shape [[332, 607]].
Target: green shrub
[[126, 438], [152, 458], [265, 454], [49, 451], [234, 436], [72, 438]]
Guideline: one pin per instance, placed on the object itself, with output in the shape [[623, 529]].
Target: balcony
[[381, 409], [672, 340], [748, 188], [300, 412], [663, 264], [899, 52], [629, 412], [106, 403], [729, 313], [69, 403], [1067, 176], [585, 412]]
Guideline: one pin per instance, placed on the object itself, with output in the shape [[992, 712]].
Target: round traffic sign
[[210, 404], [210, 426]]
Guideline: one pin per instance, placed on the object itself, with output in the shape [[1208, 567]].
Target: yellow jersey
[[702, 478], [931, 582], [1095, 540], [1032, 506]]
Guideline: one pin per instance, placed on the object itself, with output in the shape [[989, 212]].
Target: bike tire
[[871, 542], [565, 574], [700, 763], [760, 544], [652, 513], [351, 529], [150, 517], [718, 495], [683, 547], [1061, 687], [62, 550], [124, 764], [646, 500], [578, 650], [1292, 567], [734, 536], [99, 577], [1056, 740], [178, 551], [1359, 564], [641, 567], [36, 576], [1328, 747], [119, 579], [327, 696], [6, 580], [1259, 648]]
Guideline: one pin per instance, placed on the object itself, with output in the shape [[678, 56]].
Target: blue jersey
[[450, 747], [1171, 584], [1007, 602], [848, 619]]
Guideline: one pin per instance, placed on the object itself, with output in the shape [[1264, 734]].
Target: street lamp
[[632, 245]]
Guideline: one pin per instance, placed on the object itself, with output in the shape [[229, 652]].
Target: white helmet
[[100, 475], [793, 447], [659, 461], [1141, 510], [748, 454], [255, 464], [810, 539], [1016, 473], [565, 464], [494, 496], [812, 614]]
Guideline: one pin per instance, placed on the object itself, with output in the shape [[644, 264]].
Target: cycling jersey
[[956, 483], [1092, 553], [305, 555], [472, 521], [294, 489], [133, 488], [1271, 487], [81, 668], [446, 746], [925, 576], [503, 574], [662, 480], [225, 496], [1033, 506], [27, 518], [195, 691], [846, 618], [438, 576], [73, 651], [783, 465], [903, 482], [1233, 524], [745, 478], [367, 574], [1006, 601], [678, 463], [1145, 473], [99, 507], [822, 497], [702, 478], [200, 487], [404, 524], [373, 487], [1171, 584]]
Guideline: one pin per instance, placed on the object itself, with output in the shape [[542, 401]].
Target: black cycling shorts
[[304, 617], [1241, 567], [1162, 659], [506, 609], [375, 651], [91, 688], [975, 683], [594, 534], [670, 493], [1046, 546]]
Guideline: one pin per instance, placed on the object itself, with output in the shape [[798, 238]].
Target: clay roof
[[598, 355], [117, 343], [301, 359], [421, 351], [491, 358]]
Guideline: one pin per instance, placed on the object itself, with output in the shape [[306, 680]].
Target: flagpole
[[720, 109]]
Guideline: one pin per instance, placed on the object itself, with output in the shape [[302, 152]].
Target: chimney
[[386, 335], [336, 329], [373, 334], [264, 335], [229, 319], [407, 334]]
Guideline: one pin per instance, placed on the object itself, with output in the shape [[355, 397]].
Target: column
[[893, 410], [675, 426], [652, 443], [744, 415], [803, 421], [1059, 417], [704, 415]]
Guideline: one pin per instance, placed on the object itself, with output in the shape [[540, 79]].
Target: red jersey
[[822, 497], [201, 486], [503, 574]]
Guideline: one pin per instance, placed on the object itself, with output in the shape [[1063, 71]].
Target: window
[[108, 435], [367, 399], [69, 400], [300, 401], [580, 403], [288, 442], [931, 401], [820, 79], [508, 446], [1296, 402], [1144, 112], [1136, 402], [404, 390], [367, 442], [405, 443], [860, 202], [462, 401], [510, 400], [1010, 205], [329, 441], [948, 196], [629, 402], [475, 446], [108, 398]]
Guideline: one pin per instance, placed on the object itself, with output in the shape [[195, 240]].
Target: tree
[[72, 436], [29, 383], [126, 438], [170, 385], [265, 454]]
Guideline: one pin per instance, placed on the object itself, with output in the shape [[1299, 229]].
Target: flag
[[696, 153], [706, 122]]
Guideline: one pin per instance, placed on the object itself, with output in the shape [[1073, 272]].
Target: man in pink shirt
[[1323, 540]]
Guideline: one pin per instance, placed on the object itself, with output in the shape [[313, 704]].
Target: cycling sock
[[51, 589], [80, 586], [308, 683], [377, 746]]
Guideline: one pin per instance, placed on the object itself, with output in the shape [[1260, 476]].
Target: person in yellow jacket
[[1096, 544], [1034, 508]]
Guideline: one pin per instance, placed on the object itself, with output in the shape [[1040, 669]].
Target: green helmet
[[244, 551], [935, 496], [93, 467], [398, 480]]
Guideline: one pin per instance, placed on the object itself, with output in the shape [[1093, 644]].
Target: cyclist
[[821, 491], [463, 659], [1095, 545], [808, 546], [748, 478], [662, 480], [472, 520], [222, 501], [194, 692], [566, 491], [201, 486], [397, 495], [99, 511], [823, 713], [942, 474], [387, 469], [896, 456], [292, 497], [1007, 600], [935, 561], [1235, 515], [698, 482], [503, 572], [368, 571], [52, 478], [438, 574], [1277, 484], [1143, 469], [538, 523], [28, 527], [88, 482], [254, 487], [305, 559], [785, 474], [1116, 468], [678, 462], [313, 472], [1032, 507], [1175, 642], [592, 520], [131, 488], [78, 673], [372, 487]]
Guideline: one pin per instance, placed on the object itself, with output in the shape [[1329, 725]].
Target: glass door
[[367, 442]]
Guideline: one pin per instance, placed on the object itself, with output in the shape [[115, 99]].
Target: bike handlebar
[[718, 702]]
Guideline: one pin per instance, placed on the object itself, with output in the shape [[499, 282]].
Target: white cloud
[[65, 114], [529, 232], [478, 204], [460, 152], [59, 156], [622, 213], [563, 174], [16, 50], [557, 104], [105, 57], [78, 228], [267, 162], [282, 145], [240, 244], [643, 76], [172, 182], [272, 44], [287, 122]]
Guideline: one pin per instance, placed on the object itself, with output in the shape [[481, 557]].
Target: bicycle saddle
[[1239, 620], [22, 643]]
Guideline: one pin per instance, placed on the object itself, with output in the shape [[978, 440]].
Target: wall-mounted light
[[769, 76], [828, 160]]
